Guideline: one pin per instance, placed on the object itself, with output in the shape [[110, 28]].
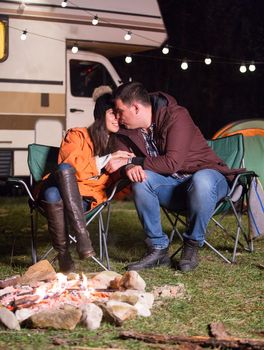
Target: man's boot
[[189, 255], [154, 258], [59, 237], [72, 200]]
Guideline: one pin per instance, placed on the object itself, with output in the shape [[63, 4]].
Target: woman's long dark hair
[[103, 142]]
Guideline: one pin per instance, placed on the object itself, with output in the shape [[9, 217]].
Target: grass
[[217, 291]]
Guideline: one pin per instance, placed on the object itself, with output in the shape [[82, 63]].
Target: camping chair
[[42, 160], [231, 150]]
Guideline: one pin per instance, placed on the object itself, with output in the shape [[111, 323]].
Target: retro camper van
[[45, 88]]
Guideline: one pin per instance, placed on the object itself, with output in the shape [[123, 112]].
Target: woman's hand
[[118, 159], [122, 154]]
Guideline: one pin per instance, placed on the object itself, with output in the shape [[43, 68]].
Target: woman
[[80, 181]]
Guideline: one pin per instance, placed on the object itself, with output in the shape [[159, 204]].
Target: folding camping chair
[[231, 150], [42, 160]]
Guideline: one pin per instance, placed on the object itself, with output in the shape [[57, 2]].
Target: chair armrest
[[20, 182], [118, 186], [248, 175]]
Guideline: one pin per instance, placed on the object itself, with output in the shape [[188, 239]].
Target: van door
[[85, 71]]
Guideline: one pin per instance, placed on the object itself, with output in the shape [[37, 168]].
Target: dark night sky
[[232, 30]]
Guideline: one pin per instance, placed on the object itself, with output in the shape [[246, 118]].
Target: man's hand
[[135, 173]]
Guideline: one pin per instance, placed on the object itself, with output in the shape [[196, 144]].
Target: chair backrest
[[42, 160], [230, 149]]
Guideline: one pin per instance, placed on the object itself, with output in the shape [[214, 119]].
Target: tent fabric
[[253, 132]]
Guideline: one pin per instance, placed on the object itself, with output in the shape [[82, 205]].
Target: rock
[[66, 317], [177, 291], [10, 281], [143, 302], [91, 316], [118, 312], [132, 280], [24, 314], [41, 271], [103, 279], [142, 310], [132, 297], [8, 319]]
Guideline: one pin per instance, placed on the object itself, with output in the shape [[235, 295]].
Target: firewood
[[228, 342]]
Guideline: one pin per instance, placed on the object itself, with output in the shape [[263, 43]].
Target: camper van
[[53, 55]]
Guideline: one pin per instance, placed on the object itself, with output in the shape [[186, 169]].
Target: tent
[[253, 131]]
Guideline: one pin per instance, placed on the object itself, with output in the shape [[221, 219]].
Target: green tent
[[253, 131]]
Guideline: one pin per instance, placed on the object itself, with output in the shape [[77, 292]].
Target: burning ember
[[75, 291], [43, 291]]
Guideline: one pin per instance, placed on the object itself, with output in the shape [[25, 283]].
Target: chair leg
[[34, 228]]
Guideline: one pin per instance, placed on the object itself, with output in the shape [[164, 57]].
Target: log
[[228, 342]]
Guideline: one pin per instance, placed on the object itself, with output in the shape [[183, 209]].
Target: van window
[[3, 38], [85, 76]]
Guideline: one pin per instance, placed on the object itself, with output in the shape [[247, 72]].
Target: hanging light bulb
[[23, 36], [95, 20], [165, 50], [207, 60], [184, 65], [64, 3], [75, 48], [128, 36], [243, 68], [128, 59], [252, 67]]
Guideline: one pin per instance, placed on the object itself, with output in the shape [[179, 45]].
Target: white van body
[[45, 89]]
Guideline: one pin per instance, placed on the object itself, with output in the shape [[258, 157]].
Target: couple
[[164, 155]]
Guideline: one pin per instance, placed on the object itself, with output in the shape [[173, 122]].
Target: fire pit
[[42, 298]]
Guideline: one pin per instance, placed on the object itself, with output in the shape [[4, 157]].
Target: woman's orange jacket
[[77, 149]]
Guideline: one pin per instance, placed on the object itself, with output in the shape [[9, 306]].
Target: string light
[[165, 50], [75, 48], [95, 20], [184, 65], [23, 36], [243, 68], [128, 59], [252, 67], [64, 3], [208, 60], [128, 35]]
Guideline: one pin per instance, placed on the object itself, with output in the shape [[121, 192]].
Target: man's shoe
[[154, 258], [189, 256]]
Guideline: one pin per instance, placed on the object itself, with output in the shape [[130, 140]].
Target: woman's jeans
[[196, 194], [51, 193]]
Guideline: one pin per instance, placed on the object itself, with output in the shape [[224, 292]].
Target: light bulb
[[128, 59], [128, 35], [252, 67], [64, 3], [184, 65], [75, 48], [23, 36], [243, 68], [165, 50], [95, 20], [207, 60]]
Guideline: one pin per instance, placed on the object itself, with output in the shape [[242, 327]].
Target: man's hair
[[130, 92]]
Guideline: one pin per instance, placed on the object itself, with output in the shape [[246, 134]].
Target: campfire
[[42, 298]]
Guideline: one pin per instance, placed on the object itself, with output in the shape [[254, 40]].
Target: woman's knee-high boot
[[72, 200], [59, 237]]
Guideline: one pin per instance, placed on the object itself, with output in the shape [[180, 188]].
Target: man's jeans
[[197, 194]]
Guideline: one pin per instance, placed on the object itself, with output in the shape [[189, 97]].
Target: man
[[174, 168]]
